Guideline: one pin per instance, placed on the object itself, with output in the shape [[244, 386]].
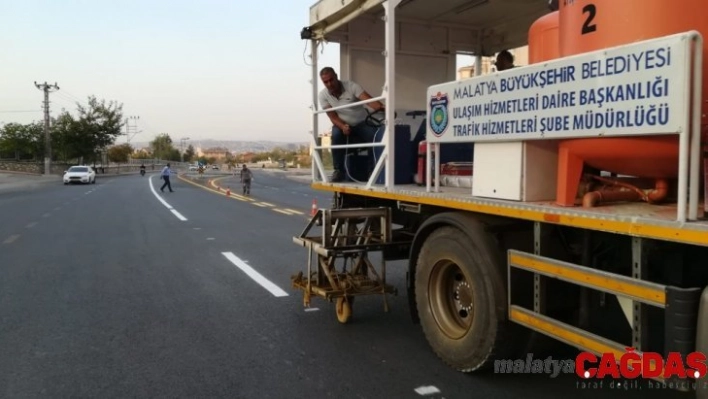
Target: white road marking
[[211, 238], [427, 390], [179, 215], [252, 273], [311, 309], [11, 239]]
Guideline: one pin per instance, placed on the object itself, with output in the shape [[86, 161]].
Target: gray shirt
[[350, 94]]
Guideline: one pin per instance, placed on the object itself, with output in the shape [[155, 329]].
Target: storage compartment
[[360, 164], [404, 157], [518, 171]]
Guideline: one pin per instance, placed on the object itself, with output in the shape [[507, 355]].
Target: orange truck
[[564, 197]]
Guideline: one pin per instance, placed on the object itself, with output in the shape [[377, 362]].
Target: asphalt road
[[118, 290]]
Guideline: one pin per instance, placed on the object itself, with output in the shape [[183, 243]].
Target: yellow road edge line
[[695, 237], [651, 295], [222, 192], [282, 211], [294, 211], [262, 205]]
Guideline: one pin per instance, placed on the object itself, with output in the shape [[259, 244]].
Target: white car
[[80, 174]]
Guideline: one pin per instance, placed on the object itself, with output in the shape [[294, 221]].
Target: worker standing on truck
[[347, 122], [504, 61]]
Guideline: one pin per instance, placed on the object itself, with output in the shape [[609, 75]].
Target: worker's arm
[[337, 121], [376, 105]]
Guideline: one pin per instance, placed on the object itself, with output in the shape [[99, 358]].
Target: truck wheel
[[460, 297]]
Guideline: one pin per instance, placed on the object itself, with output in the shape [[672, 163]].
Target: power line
[[46, 88]]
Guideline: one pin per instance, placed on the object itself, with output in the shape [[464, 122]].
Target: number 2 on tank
[[589, 26]]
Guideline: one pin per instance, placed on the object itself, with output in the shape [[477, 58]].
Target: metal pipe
[[362, 102], [696, 127], [658, 194], [684, 151], [389, 92], [594, 198], [315, 118]]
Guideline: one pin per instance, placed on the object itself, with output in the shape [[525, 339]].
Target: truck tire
[[461, 297]]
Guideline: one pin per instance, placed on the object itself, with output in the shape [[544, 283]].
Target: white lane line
[[168, 206], [11, 239], [428, 390], [257, 277], [311, 309], [179, 215]]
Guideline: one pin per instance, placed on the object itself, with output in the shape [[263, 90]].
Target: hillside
[[237, 146]]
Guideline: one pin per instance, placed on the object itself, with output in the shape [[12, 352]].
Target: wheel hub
[[463, 298]]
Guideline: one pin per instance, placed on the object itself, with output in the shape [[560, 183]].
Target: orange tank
[[543, 39], [589, 25]]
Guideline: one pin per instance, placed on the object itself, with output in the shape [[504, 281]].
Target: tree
[[22, 141], [96, 127], [189, 153], [162, 148], [120, 153]]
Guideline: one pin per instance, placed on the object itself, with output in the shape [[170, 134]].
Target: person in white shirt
[[165, 175], [347, 122]]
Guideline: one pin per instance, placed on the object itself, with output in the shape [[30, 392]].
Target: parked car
[[80, 174]]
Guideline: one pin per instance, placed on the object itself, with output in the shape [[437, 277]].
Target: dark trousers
[[361, 133], [166, 183]]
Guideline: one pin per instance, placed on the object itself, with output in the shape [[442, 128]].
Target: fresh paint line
[[11, 239], [168, 206], [252, 273], [179, 215], [427, 390]]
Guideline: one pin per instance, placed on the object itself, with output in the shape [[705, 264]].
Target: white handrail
[[362, 102], [695, 156], [355, 145]]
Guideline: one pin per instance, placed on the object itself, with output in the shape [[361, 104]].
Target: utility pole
[[47, 140], [131, 129]]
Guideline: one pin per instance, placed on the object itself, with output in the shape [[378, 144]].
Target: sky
[[214, 69]]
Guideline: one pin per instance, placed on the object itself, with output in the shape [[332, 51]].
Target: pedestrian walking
[[165, 175]]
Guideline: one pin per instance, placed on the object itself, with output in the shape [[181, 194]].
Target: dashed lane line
[[11, 239]]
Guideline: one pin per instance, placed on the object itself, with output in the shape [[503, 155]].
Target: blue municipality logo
[[439, 114]]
